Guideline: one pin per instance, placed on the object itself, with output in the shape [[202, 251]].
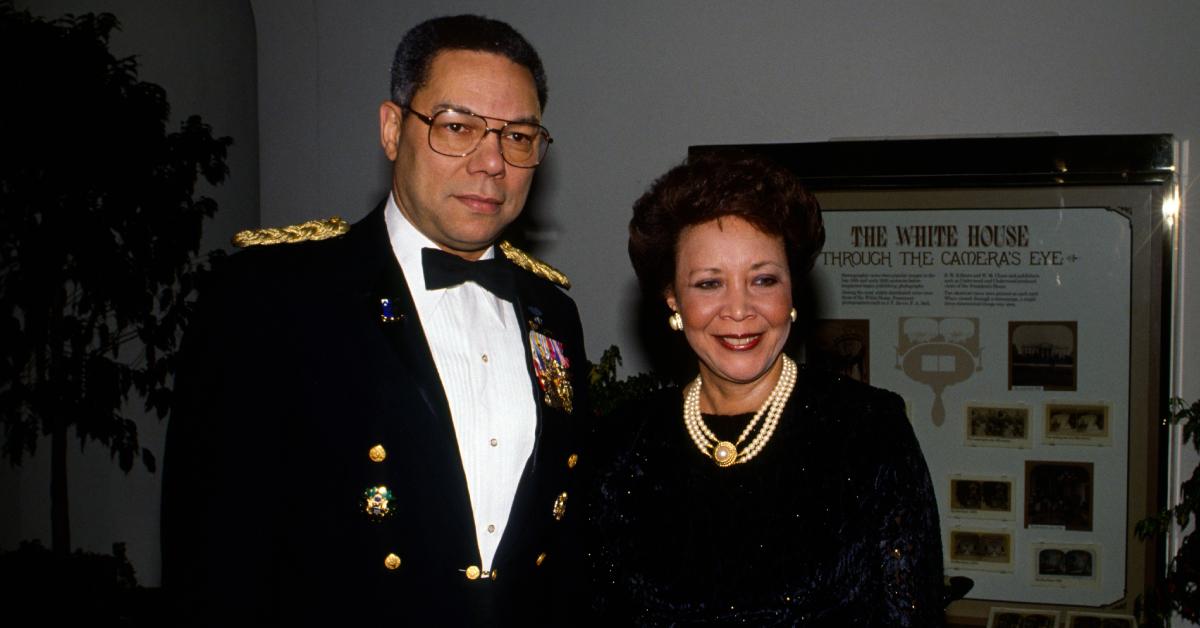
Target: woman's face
[[734, 290]]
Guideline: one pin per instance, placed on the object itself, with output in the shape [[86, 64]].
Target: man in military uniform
[[377, 423]]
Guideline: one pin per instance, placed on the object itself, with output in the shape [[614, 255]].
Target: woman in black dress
[[762, 493]]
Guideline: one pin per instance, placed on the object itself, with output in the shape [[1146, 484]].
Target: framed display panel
[[1013, 291]]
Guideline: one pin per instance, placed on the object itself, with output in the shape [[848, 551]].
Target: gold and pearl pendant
[[725, 453]]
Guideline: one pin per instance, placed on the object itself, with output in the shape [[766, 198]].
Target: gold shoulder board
[[307, 232], [534, 265]]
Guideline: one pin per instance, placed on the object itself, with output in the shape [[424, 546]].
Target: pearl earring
[[793, 315], [675, 321]]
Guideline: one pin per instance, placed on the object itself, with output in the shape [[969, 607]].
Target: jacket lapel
[[417, 375], [392, 306], [521, 529]]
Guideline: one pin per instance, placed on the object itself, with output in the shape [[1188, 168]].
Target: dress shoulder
[[854, 410], [620, 430]]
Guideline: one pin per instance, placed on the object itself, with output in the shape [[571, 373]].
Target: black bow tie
[[443, 270]]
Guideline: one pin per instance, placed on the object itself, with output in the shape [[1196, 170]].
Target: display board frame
[[1129, 174]]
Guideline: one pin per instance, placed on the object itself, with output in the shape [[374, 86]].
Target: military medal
[[560, 506], [376, 500], [535, 323], [550, 364], [386, 313]]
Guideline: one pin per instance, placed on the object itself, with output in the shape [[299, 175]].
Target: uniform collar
[[407, 243]]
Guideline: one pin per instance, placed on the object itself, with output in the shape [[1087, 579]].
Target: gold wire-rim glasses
[[537, 135]]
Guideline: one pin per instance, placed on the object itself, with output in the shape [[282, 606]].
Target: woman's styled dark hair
[[714, 185], [415, 53]]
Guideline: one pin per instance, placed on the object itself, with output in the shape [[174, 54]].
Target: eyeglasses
[[458, 134]]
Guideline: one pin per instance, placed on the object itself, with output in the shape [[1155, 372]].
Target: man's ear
[[391, 118]]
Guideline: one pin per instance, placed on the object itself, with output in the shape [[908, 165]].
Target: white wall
[[202, 52], [633, 84]]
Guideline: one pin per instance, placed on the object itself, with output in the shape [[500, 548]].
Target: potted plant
[[100, 224], [607, 392], [1178, 590]]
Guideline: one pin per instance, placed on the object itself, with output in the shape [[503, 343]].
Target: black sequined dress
[[834, 523]]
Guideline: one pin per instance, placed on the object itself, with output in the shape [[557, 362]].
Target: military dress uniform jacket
[[301, 396]]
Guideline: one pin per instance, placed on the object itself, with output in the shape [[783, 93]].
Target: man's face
[[461, 203]]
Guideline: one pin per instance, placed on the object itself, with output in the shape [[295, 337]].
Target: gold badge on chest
[[377, 502]]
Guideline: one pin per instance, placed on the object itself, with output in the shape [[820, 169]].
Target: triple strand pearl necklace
[[725, 453]]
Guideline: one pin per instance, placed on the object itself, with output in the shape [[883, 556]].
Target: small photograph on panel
[[1043, 354], [1089, 619], [842, 346], [1066, 565], [1021, 618], [997, 425], [1059, 494], [982, 550], [977, 497], [1078, 424]]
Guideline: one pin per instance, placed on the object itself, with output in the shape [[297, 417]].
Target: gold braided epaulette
[[307, 232], [534, 265]]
